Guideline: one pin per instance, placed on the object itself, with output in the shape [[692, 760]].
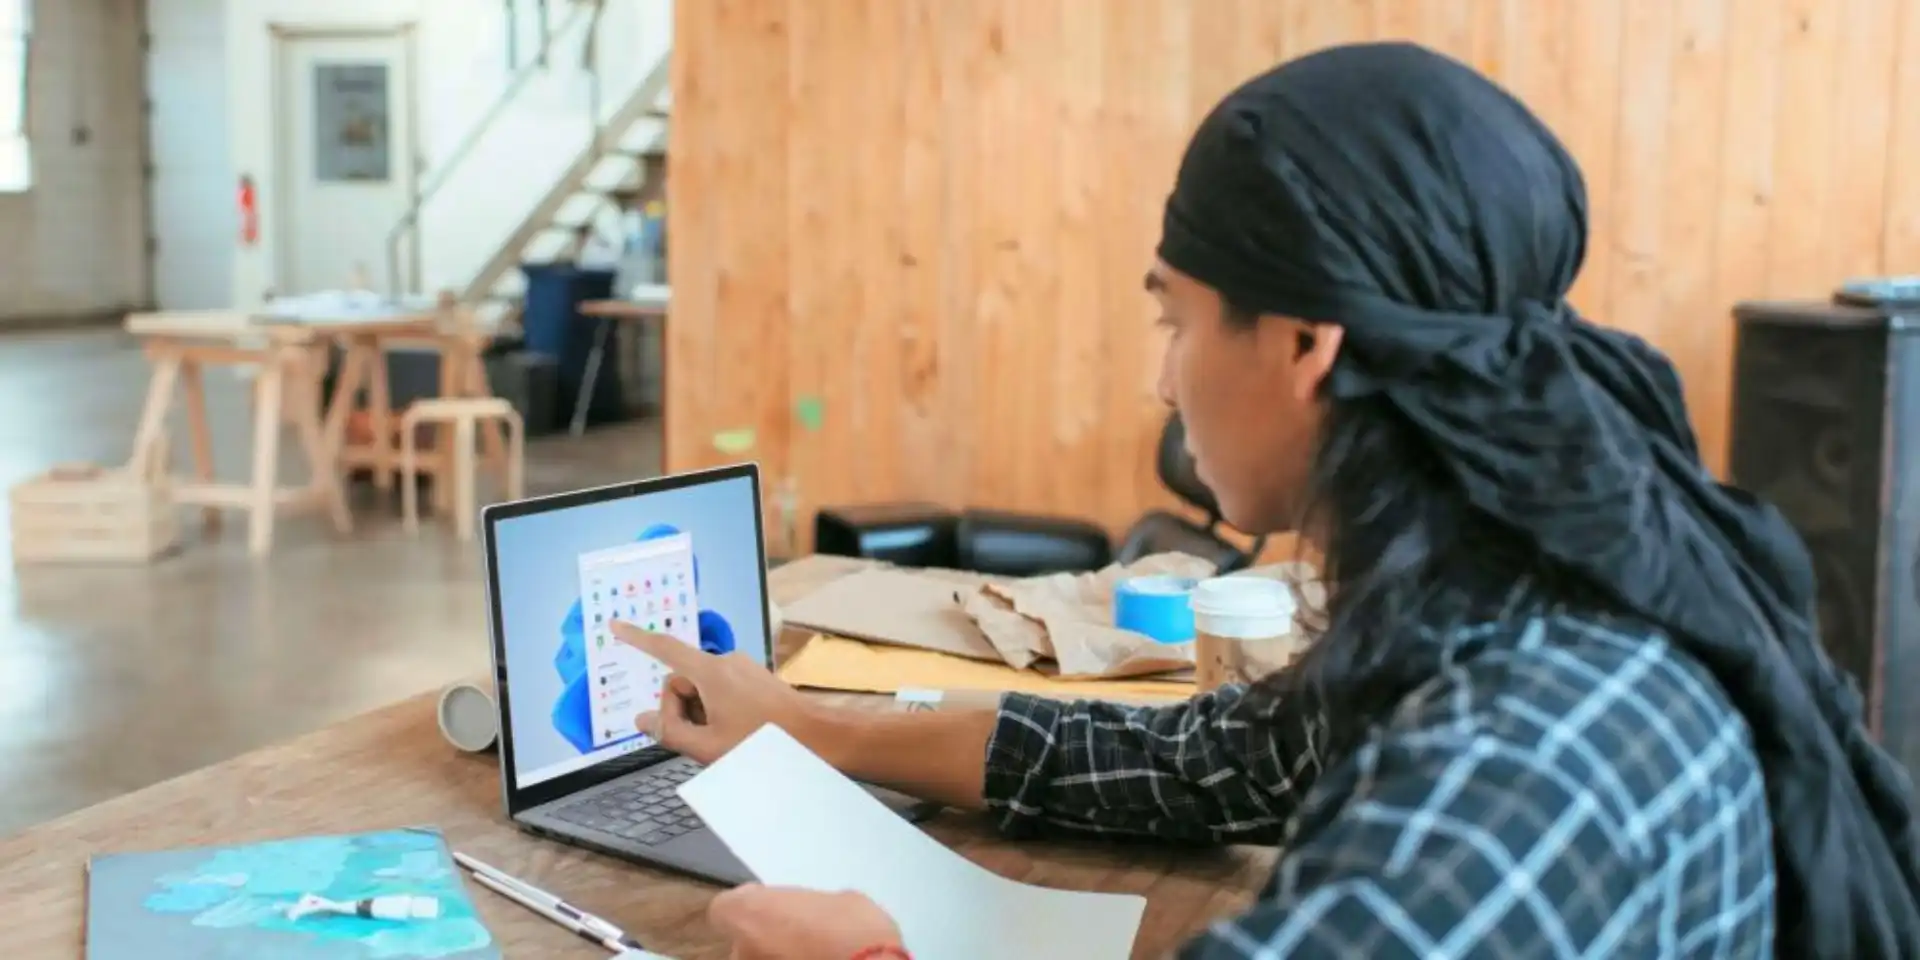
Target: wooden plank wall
[[933, 215]]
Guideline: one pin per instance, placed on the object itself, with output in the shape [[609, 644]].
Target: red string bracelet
[[882, 951]]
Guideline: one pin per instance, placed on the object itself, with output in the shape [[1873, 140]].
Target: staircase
[[555, 160]]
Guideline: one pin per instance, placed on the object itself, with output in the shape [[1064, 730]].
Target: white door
[[346, 161], [193, 196]]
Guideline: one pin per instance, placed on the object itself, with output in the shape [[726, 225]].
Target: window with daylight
[[16, 34]]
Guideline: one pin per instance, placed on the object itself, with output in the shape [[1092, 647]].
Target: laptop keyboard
[[645, 809]]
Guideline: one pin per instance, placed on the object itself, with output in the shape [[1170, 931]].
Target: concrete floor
[[113, 678]]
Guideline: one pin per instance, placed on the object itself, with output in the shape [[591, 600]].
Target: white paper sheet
[[795, 821]]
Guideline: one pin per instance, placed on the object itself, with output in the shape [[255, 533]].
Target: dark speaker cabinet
[[1826, 426]]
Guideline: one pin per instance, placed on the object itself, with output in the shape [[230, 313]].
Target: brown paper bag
[[904, 607], [1068, 618], [1065, 618]]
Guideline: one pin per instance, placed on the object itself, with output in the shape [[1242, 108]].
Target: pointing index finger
[[678, 657]]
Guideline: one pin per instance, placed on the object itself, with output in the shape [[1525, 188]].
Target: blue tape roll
[[1158, 607]]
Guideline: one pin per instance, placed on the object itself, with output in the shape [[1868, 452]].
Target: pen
[[567, 923], [544, 903]]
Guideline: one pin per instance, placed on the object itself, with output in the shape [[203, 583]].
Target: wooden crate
[[87, 513]]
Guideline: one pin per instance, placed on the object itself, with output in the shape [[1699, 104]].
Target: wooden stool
[[361, 388], [464, 414]]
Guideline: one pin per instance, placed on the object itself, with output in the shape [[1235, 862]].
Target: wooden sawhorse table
[[291, 361], [292, 355]]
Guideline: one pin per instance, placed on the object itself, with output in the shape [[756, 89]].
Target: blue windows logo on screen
[[648, 587]]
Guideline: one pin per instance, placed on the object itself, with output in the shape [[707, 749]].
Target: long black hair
[[1405, 558]]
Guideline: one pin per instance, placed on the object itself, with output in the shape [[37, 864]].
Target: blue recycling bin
[[553, 325]]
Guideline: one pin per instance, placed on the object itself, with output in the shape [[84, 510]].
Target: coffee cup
[[1243, 629]]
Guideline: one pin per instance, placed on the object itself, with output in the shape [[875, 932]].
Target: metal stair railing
[[605, 141], [579, 26]]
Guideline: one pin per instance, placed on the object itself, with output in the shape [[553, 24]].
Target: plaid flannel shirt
[[1564, 788]]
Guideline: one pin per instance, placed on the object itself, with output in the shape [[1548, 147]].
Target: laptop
[[682, 556]]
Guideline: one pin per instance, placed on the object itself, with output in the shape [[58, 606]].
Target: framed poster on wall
[[352, 122]]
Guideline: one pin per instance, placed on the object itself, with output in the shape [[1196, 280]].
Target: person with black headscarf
[[1568, 698]]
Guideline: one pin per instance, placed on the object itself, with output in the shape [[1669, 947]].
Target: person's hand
[[784, 923], [711, 703]]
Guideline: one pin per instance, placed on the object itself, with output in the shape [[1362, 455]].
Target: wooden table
[[610, 314], [180, 345], [292, 357], [390, 768]]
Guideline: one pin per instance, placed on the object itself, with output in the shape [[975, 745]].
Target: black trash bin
[[553, 325]]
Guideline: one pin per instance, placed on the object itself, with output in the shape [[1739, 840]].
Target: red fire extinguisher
[[249, 213]]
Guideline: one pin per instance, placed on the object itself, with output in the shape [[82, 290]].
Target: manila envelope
[[833, 663]]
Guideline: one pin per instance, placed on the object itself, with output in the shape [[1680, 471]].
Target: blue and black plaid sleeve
[[1202, 771], [1564, 789]]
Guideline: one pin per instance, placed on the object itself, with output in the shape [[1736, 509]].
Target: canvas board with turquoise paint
[[229, 903]]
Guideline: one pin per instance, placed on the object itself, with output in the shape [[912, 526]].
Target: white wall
[[192, 198], [461, 69], [74, 245]]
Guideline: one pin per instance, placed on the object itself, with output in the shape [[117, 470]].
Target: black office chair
[[1022, 544]]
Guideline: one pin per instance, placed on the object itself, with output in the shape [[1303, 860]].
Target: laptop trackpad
[[703, 853]]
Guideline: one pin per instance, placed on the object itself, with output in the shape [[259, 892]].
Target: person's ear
[[1319, 346]]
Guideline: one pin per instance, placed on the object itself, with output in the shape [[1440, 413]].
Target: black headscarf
[[1399, 194]]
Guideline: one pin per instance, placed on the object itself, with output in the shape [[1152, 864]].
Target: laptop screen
[[683, 561]]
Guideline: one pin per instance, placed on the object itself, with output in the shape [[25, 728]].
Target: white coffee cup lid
[[1242, 596]]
